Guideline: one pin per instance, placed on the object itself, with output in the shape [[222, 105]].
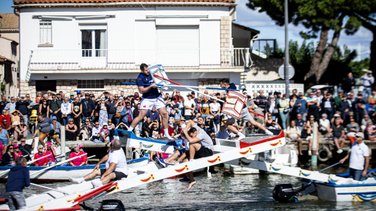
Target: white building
[[9, 56], [69, 45]]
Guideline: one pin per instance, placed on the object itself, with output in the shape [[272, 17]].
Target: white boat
[[286, 155], [64, 172], [69, 197], [347, 190]]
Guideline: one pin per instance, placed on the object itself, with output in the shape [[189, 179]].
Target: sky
[[269, 30]]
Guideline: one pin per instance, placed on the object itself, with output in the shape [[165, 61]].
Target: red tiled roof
[[18, 2], [8, 21]]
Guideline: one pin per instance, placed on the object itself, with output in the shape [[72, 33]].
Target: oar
[[28, 163], [185, 86], [331, 166], [48, 188], [181, 85], [58, 164]]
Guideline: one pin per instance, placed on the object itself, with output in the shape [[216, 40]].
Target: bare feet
[[190, 185]]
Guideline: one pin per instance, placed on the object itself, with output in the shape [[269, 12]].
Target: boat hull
[[63, 173], [346, 192]]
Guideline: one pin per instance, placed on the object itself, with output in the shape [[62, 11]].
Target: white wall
[[131, 29]]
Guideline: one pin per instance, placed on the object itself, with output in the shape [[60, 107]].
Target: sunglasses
[[11, 148]]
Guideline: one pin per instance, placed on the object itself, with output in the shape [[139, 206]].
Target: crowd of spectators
[[88, 117]]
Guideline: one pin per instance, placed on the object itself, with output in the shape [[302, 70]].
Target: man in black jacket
[[23, 106], [18, 179]]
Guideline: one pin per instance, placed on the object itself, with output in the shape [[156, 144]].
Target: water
[[243, 192]]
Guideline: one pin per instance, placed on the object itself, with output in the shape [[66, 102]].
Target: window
[[93, 42], [45, 32], [90, 84]]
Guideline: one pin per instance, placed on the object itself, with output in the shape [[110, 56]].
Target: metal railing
[[50, 59]]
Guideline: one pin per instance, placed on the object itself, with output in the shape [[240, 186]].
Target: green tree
[[321, 18]]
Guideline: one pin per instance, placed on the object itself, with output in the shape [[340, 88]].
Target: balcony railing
[[86, 59]]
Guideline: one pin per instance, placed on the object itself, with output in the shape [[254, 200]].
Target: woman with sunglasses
[[8, 156]]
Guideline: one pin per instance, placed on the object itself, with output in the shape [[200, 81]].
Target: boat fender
[[284, 193], [112, 205], [324, 154]]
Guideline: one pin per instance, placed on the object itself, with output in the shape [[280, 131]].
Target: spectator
[[55, 107], [339, 135], [80, 154], [23, 106], [328, 105], [284, 110], [261, 101], [103, 116], [104, 133], [8, 156], [86, 130], [51, 152], [71, 130], [66, 110], [20, 131], [4, 136], [111, 107], [95, 133], [348, 83], [293, 133], [367, 82], [324, 125], [189, 107], [55, 130], [26, 148], [76, 111], [352, 126], [44, 109], [39, 155], [87, 108]]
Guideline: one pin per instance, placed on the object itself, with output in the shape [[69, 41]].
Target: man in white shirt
[[367, 82], [359, 158], [116, 167], [66, 110]]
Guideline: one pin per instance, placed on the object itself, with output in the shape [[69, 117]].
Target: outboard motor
[[112, 204], [284, 193]]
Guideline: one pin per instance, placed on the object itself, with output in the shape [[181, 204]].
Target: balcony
[[89, 60]]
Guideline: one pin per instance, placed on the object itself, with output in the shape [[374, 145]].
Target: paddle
[[58, 164], [331, 166], [48, 188], [28, 163]]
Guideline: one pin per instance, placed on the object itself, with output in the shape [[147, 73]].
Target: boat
[[348, 190], [286, 155], [327, 187], [64, 172], [70, 196]]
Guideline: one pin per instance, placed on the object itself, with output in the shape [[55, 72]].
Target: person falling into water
[[245, 115]]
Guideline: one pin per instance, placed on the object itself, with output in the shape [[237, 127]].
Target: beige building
[[9, 54]]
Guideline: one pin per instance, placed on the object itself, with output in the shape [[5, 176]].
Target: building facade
[[69, 45], [9, 56]]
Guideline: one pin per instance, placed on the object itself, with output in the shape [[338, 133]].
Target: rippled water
[[245, 192]]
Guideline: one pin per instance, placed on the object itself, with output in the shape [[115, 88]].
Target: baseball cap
[[54, 118], [359, 134]]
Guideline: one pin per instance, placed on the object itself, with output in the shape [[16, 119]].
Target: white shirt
[[66, 108], [189, 104], [117, 157], [325, 123], [95, 131], [205, 139], [215, 107], [358, 152]]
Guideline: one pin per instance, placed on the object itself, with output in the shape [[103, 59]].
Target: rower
[[116, 167], [245, 115]]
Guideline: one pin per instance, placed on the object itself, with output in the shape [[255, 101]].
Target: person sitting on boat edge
[[79, 161], [200, 145], [359, 158], [18, 179], [116, 167]]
